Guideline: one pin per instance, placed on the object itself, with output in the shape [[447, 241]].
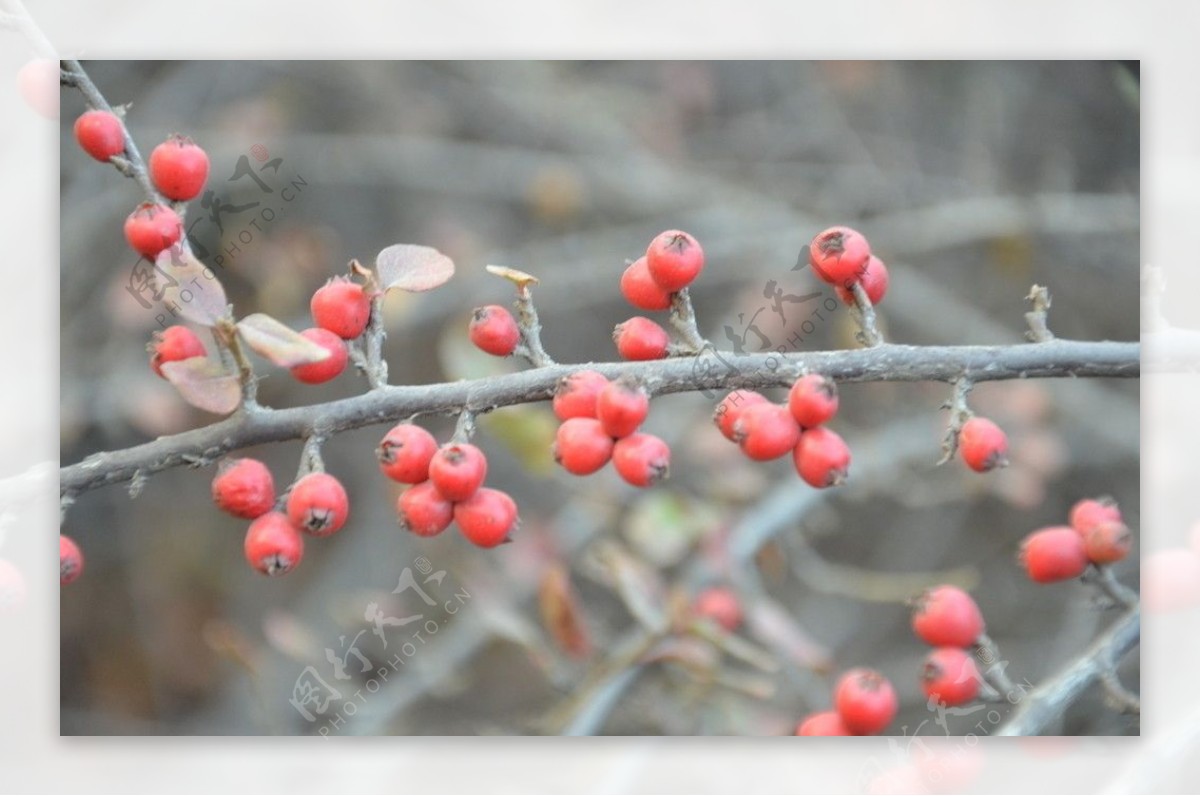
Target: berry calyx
[[946, 616], [1107, 542], [639, 288], [674, 258], [1053, 554], [243, 488], [982, 445], [179, 168], [827, 722], [642, 459], [641, 339], [318, 504], [813, 400], [458, 470], [839, 255], [731, 408], [70, 560], [865, 700], [173, 344], [423, 511], [822, 458], [1090, 512], [874, 280], [487, 518], [342, 307], [621, 407], [950, 676], [766, 431], [576, 393], [405, 452], [328, 368], [582, 446], [151, 228], [721, 605], [100, 134], [494, 330], [273, 546]]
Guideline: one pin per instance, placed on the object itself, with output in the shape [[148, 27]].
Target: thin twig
[[1103, 579], [249, 381], [863, 313], [464, 428], [1038, 332], [993, 667], [960, 413], [531, 329], [683, 321]]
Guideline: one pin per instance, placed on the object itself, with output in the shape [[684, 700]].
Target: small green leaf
[[282, 345]]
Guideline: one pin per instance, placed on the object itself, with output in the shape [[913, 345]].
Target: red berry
[[822, 458], [318, 504], [179, 168], [721, 605], [273, 546], [328, 368], [151, 228], [865, 700], [765, 431], [731, 408], [494, 330], [244, 488], [983, 445], [70, 560], [576, 393], [582, 446], [641, 339], [813, 400], [100, 134], [874, 280], [642, 459], [1093, 511], [173, 344], [1053, 554], [487, 518], [423, 511], [621, 407], [674, 259], [640, 289], [946, 616], [342, 307], [950, 676], [458, 470], [839, 255], [405, 452], [827, 722], [1107, 542]]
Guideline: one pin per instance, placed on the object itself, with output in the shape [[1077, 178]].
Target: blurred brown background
[[972, 180]]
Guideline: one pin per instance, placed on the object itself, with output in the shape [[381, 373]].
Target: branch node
[[1039, 332]]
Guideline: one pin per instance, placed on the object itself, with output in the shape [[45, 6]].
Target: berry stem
[[1038, 332], [960, 413], [1103, 579], [864, 315], [683, 321], [228, 336], [992, 668], [530, 346], [464, 428]]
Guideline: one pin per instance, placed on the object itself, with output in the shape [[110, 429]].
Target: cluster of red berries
[[864, 704], [1097, 535], [842, 257], [70, 560], [948, 619], [766, 430], [600, 421], [316, 504], [671, 262], [446, 486]]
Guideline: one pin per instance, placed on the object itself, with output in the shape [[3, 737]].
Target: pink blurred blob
[[1170, 580], [38, 83]]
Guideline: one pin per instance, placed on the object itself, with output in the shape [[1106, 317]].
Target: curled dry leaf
[[282, 345], [416, 269], [562, 614], [204, 384], [518, 278], [189, 286]]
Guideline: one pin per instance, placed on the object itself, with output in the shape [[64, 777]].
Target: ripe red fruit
[[839, 255], [405, 452], [982, 445], [342, 307], [874, 280], [946, 616], [765, 431], [100, 134], [1107, 542], [822, 458], [458, 470], [674, 258], [173, 344], [813, 400], [179, 168], [640, 289], [1053, 554], [494, 330], [721, 605], [865, 700], [731, 408], [576, 393], [582, 446], [243, 488], [273, 546], [827, 722], [423, 511], [151, 228], [328, 368], [950, 676], [1093, 511], [621, 407], [70, 560], [642, 459], [641, 339], [318, 504], [487, 518]]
